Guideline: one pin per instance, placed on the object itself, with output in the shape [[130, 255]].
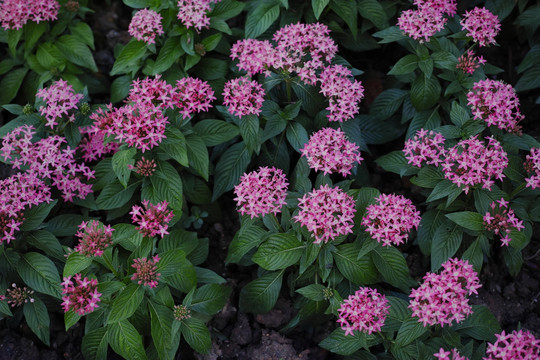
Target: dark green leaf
[[312, 292], [431, 221], [468, 219], [120, 164], [458, 114], [128, 57], [230, 167], [318, 6], [244, 240], [340, 344], [161, 320], [114, 195], [120, 88], [210, 298], [197, 155], [475, 255], [71, 318], [75, 263], [391, 34], [76, 51], [125, 340], [196, 335], [425, 92], [529, 80], [260, 295], [359, 271], [445, 243], [397, 163], [405, 65], [39, 273], [249, 129], [347, 11], [481, 325], [126, 303], [373, 11], [168, 55], [10, 84], [94, 344], [37, 318], [410, 330], [279, 251], [392, 266], [175, 146], [259, 20], [34, 216], [215, 132], [387, 103]]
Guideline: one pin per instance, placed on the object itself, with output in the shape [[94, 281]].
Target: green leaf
[[166, 185], [76, 51], [185, 279], [169, 263], [425, 92], [529, 80], [279, 251], [387, 103], [318, 6], [468, 219], [442, 189], [196, 334], [249, 129], [10, 84], [114, 195], [75, 263], [312, 292], [405, 65], [37, 318], [409, 331], [427, 119], [475, 255], [94, 344], [129, 56], [212, 69], [39, 273], [428, 177], [360, 271], [64, 225], [373, 11], [431, 221], [340, 344], [392, 266], [346, 10], [32, 33], [391, 34], [244, 240], [125, 340], [210, 298], [126, 303], [458, 114], [168, 55], [397, 163], [127, 235], [399, 312], [197, 155], [161, 320], [83, 32], [215, 132], [230, 167], [120, 88], [481, 324], [120, 164], [71, 318], [228, 9], [531, 59], [445, 243], [175, 146], [259, 20], [261, 294], [139, 4], [34, 216], [211, 42]]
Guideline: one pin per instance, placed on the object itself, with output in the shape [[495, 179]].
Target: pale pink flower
[[469, 62], [421, 24], [192, 96], [470, 162], [343, 93], [445, 355], [261, 192], [18, 296], [145, 25], [329, 151], [153, 219], [194, 13], [254, 56], [146, 271], [520, 345], [94, 238], [243, 96], [365, 311], [390, 219], [16, 13], [81, 295], [497, 104], [501, 220], [532, 167], [151, 92], [448, 7], [60, 99], [425, 147], [327, 213], [482, 25], [462, 272], [144, 167]]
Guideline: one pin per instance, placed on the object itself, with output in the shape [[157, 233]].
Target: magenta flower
[[153, 219], [261, 192], [193, 13], [93, 146], [442, 298], [18, 296], [192, 96], [151, 92], [81, 295], [329, 151], [517, 345], [146, 271], [469, 62], [94, 238], [254, 56], [342, 93], [421, 24], [60, 99], [390, 219], [481, 25], [15, 13], [365, 311], [532, 167], [145, 25], [144, 167], [425, 147], [243, 96], [445, 355], [497, 104], [501, 220], [470, 163], [448, 7], [327, 213]]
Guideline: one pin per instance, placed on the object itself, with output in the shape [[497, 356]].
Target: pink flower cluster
[[15, 13], [81, 295], [327, 213], [442, 298], [470, 163], [47, 159], [343, 94], [144, 167], [390, 219], [329, 151], [497, 104], [60, 99], [93, 146], [426, 146], [18, 193], [261, 192], [445, 355], [94, 238], [254, 56], [532, 167], [153, 219], [427, 20], [193, 13], [18, 296], [192, 96], [520, 345], [501, 220], [146, 271], [469, 62], [243, 96], [145, 25], [481, 25], [365, 311]]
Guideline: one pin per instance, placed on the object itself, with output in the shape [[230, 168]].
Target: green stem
[[111, 267], [289, 93]]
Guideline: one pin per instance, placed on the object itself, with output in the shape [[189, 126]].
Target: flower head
[[144, 167], [18, 296], [254, 56], [151, 92], [390, 219], [327, 213], [501, 220], [532, 167], [94, 238], [153, 219], [181, 312], [243, 96], [425, 147], [60, 99], [81, 295], [261, 192], [16, 13], [192, 96], [365, 311], [421, 24], [468, 62], [93, 146], [193, 13], [448, 7], [329, 151], [145, 25], [342, 93], [516, 345], [445, 355], [146, 271], [481, 25]]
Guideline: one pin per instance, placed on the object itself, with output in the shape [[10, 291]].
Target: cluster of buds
[[501, 220], [18, 296]]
